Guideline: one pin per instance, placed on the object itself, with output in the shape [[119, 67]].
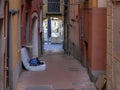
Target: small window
[[53, 6]]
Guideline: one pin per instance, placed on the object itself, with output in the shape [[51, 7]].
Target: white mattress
[[25, 59]]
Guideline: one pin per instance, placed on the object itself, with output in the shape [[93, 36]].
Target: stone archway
[[34, 35]]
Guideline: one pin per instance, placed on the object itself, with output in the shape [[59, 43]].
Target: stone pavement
[[62, 73]]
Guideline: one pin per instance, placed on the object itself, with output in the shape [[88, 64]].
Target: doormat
[[88, 89], [39, 88]]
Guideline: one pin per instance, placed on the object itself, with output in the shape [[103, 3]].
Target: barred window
[[53, 5]]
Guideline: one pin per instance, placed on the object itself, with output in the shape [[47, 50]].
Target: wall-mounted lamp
[[13, 12]]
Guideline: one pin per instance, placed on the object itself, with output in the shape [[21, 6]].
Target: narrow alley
[[59, 44], [63, 72]]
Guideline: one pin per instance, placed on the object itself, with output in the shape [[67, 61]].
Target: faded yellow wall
[[15, 4], [97, 3], [93, 3]]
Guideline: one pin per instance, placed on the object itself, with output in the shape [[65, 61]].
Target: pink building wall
[[95, 28]]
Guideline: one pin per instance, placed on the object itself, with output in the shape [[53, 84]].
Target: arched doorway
[[34, 35]]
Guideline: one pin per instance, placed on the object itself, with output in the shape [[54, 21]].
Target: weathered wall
[[35, 8], [113, 42], [27, 11], [1, 54], [45, 12], [14, 50], [95, 36], [74, 30], [97, 40], [2, 44], [93, 48]]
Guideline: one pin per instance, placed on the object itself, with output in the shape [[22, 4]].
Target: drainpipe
[[68, 27], [68, 23], [82, 32], [49, 28]]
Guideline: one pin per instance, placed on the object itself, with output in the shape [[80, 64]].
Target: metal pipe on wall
[[82, 31]]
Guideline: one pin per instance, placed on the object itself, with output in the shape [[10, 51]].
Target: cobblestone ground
[[62, 73]]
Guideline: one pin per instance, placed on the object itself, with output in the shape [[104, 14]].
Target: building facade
[[113, 42], [20, 25], [54, 8], [95, 25], [31, 26], [86, 34], [4, 45], [14, 45]]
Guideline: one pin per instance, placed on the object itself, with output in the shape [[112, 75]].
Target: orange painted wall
[[99, 43], [95, 26], [96, 37]]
